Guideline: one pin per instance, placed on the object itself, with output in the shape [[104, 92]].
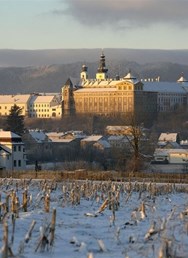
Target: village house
[[170, 156], [64, 146], [169, 150], [37, 145], [12, 151]]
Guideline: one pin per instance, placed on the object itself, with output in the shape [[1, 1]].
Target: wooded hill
[[50, 78]]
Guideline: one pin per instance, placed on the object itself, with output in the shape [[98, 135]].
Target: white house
[[12, 151], [45, 106], [170, 156]]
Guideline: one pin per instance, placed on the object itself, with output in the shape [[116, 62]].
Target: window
[[14, 148], [19, 163], [14, 163], [19, 148]]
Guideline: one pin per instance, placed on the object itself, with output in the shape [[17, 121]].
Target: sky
[[64, 24]]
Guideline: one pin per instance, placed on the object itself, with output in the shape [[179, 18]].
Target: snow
[[38, 135], [8, 134], [148, 215]]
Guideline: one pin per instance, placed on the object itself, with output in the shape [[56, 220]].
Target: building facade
[[45, 106], [170, 95], [12, 151], [33, 105], [8, 101], [105, 96]]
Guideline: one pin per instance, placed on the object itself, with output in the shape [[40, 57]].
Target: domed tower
[[84, 73], [102, 70]]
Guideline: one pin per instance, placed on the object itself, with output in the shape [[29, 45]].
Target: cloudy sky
[[52, 24]]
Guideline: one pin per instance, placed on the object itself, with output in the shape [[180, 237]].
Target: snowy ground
[[82, 231]]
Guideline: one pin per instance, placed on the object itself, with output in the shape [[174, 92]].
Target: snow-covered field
[[97, 219]]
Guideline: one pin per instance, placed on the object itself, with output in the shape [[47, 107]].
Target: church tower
[[84, 73], [102, 70]]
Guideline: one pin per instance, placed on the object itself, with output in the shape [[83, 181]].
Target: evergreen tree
[[15, 120]]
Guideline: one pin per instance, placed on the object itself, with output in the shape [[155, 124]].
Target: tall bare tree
[[134, 136]]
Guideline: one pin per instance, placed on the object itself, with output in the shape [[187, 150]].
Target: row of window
[[39, 105], [180, 100], [38, 115], [39, 110], [18, 148]]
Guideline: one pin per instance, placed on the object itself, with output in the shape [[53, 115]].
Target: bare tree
[[134, 136]]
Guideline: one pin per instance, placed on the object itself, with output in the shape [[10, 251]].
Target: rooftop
[[16, 99], [173, 87], [8, 134]]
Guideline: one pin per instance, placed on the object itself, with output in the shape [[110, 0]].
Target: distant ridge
[[50, 78], [23, 58]]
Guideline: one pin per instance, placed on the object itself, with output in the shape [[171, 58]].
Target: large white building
[[170, 95], [12, 151]]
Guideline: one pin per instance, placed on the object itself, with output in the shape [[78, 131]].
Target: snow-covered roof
[[100, 83], [171, 87], [14, 99], [117, 127], [55, 134], [168, 137], [77, 134], [92, 138], [4, 149], [60, 140], [41, 99], [38, 135], [116, 138], [8, 134], [95, 90], [104, 143]]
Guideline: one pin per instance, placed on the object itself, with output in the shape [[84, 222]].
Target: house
[[63, 146], [169, 141], [90, 140], [119, 141], [12, 151], [170, 156], [37, 145]]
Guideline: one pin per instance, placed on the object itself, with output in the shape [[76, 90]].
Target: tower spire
[[102, 70]]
